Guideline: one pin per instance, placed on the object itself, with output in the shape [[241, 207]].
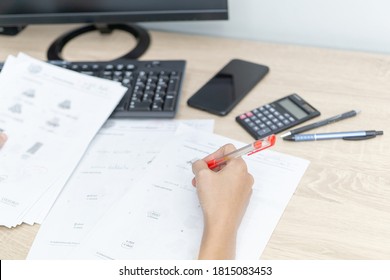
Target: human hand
[[3, 139], [223, 196]]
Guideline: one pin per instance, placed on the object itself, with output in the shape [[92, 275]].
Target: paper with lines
[[117, 156], [160, 217]]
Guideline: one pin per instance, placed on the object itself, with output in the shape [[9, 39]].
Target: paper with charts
[[118, 155], [160, 217], [50, 115]]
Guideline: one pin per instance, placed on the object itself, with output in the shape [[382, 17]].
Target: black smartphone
[[223, 91]]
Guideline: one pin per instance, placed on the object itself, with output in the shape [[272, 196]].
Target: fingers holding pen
[[201, 166], [224, 150]]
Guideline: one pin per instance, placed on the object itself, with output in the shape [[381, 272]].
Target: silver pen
[[349, 135]]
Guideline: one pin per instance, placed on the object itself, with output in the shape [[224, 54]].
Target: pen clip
[[369, 134], [263, 143], [356, 138]]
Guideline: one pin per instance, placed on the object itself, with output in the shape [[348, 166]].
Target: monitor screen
[[23, 12]]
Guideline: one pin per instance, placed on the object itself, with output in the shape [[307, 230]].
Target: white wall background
[[362, 25]]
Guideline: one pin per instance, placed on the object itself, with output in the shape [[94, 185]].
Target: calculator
[[277, 116]]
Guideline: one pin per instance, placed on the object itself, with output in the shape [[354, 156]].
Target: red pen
[[250, 149]]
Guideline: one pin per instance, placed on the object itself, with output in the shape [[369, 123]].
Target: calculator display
[[292, 108]]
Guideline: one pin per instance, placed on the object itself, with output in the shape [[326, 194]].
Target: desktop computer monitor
[[104, 15]]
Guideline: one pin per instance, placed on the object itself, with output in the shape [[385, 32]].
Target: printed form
[[116, 158], [50, 115], [160, 216], [132, 131]]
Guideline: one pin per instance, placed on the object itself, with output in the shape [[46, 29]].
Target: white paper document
[[116, 158], [160, 216], [50, 115]]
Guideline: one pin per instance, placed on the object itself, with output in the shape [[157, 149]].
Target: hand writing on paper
[[3, 139], [224, 196]]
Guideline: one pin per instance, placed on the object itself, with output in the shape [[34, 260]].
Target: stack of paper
[[50, 115]]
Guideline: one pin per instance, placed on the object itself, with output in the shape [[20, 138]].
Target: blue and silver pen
[[350, 135]]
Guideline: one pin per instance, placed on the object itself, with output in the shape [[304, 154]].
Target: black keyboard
[[154, 87]]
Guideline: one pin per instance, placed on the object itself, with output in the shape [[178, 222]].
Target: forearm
[[218, 243], [223, 196]]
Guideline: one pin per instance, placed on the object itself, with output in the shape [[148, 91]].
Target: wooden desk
[[341, 209]]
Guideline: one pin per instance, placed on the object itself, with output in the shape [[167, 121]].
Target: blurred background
[[361, 25]]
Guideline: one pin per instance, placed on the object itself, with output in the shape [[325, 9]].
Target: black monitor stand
[[140, 34], [11, 30]]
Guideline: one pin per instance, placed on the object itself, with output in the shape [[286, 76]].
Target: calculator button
[[269, 123], [279, 124], [286, 122], [259, 115], [264, 131], [291, 119], [273, 127], [249, 114], [243, 117], [264, 119]]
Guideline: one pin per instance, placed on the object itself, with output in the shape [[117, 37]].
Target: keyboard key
[[140, 105], [169, 103], [109, 67], [157, 105]]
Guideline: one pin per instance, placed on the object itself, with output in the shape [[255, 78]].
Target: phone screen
[[222, 92]]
